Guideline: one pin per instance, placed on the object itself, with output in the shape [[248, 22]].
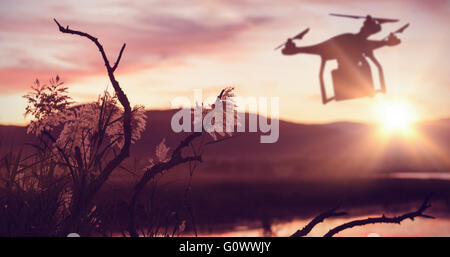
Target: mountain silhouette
[[329, 147]]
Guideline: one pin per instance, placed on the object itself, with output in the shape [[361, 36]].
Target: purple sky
[[175, 46]]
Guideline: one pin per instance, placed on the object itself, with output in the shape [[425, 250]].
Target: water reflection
[[419, 227], [439, 227], [417, 175]]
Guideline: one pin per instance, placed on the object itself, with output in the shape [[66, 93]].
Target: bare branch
[[118, 58], [83, 34], [175, 160], [120, 94], [383, 219], [220, 140], [318, 219], [184, 143], [93, 187]]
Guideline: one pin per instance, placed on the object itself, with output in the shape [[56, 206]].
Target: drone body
[[353, 77]]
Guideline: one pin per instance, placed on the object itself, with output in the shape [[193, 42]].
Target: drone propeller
[[400, 30], [298, 36], [347, 16], [301, 34], [380, 20]]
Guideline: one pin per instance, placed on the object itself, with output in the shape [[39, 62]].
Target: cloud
[[34, 46], [14, 80]]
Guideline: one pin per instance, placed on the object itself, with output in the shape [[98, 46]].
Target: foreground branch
[[123, 99], [118, 58], [175, 160], [383, 219], [93, 187], [318, 219]]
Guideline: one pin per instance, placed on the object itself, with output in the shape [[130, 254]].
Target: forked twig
[[318, 219], [383, 219]]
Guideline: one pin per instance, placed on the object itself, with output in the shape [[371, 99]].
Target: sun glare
[[396, 116]]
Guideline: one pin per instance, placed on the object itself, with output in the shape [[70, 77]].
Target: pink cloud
[[150, 39], [19, 80]]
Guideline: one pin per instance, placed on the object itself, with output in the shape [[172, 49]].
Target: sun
[[396, 116]]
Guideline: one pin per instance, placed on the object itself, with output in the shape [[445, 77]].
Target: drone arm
[[291, 49], [380, 71], [375, 44], [390, 40]]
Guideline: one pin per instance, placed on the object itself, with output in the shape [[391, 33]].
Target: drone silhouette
[[353, 77]]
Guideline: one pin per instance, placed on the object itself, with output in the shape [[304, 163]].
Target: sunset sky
[[175, 46]]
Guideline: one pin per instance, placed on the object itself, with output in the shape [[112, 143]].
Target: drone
[[353, 77]]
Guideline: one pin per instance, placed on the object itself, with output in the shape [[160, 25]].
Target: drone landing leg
[[323, 92], [380, 72]]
